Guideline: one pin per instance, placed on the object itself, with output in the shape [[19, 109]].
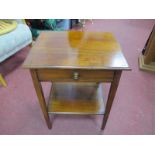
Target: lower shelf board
[[76, 98]]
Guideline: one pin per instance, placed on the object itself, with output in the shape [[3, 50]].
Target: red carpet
[[133, 108]]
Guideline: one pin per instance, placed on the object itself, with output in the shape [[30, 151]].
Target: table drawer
[[75, 75]]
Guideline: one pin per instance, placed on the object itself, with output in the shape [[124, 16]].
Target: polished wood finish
[[150, 49], [62, 75], [2, 81], [76, 98], [111, 96], [76, 49], [40, 95], [76, 62], [147, 61]]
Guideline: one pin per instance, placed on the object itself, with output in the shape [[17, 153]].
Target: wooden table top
[[76, 49]]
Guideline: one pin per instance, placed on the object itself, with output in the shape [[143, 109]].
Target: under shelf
[[76, 98]]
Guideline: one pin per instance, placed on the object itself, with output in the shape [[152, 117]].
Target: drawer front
[[77, 75]]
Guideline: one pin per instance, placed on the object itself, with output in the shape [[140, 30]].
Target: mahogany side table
[[77, 63]]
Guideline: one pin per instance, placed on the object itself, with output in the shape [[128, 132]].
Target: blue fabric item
[[12, 42], [58, 24], [64, 24]]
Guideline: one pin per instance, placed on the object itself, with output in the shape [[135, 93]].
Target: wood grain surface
[[76, 98], [76, 49]]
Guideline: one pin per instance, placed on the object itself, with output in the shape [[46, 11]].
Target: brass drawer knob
[[75, 75]]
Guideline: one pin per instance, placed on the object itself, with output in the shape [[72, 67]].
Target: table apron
[[75, 75]]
